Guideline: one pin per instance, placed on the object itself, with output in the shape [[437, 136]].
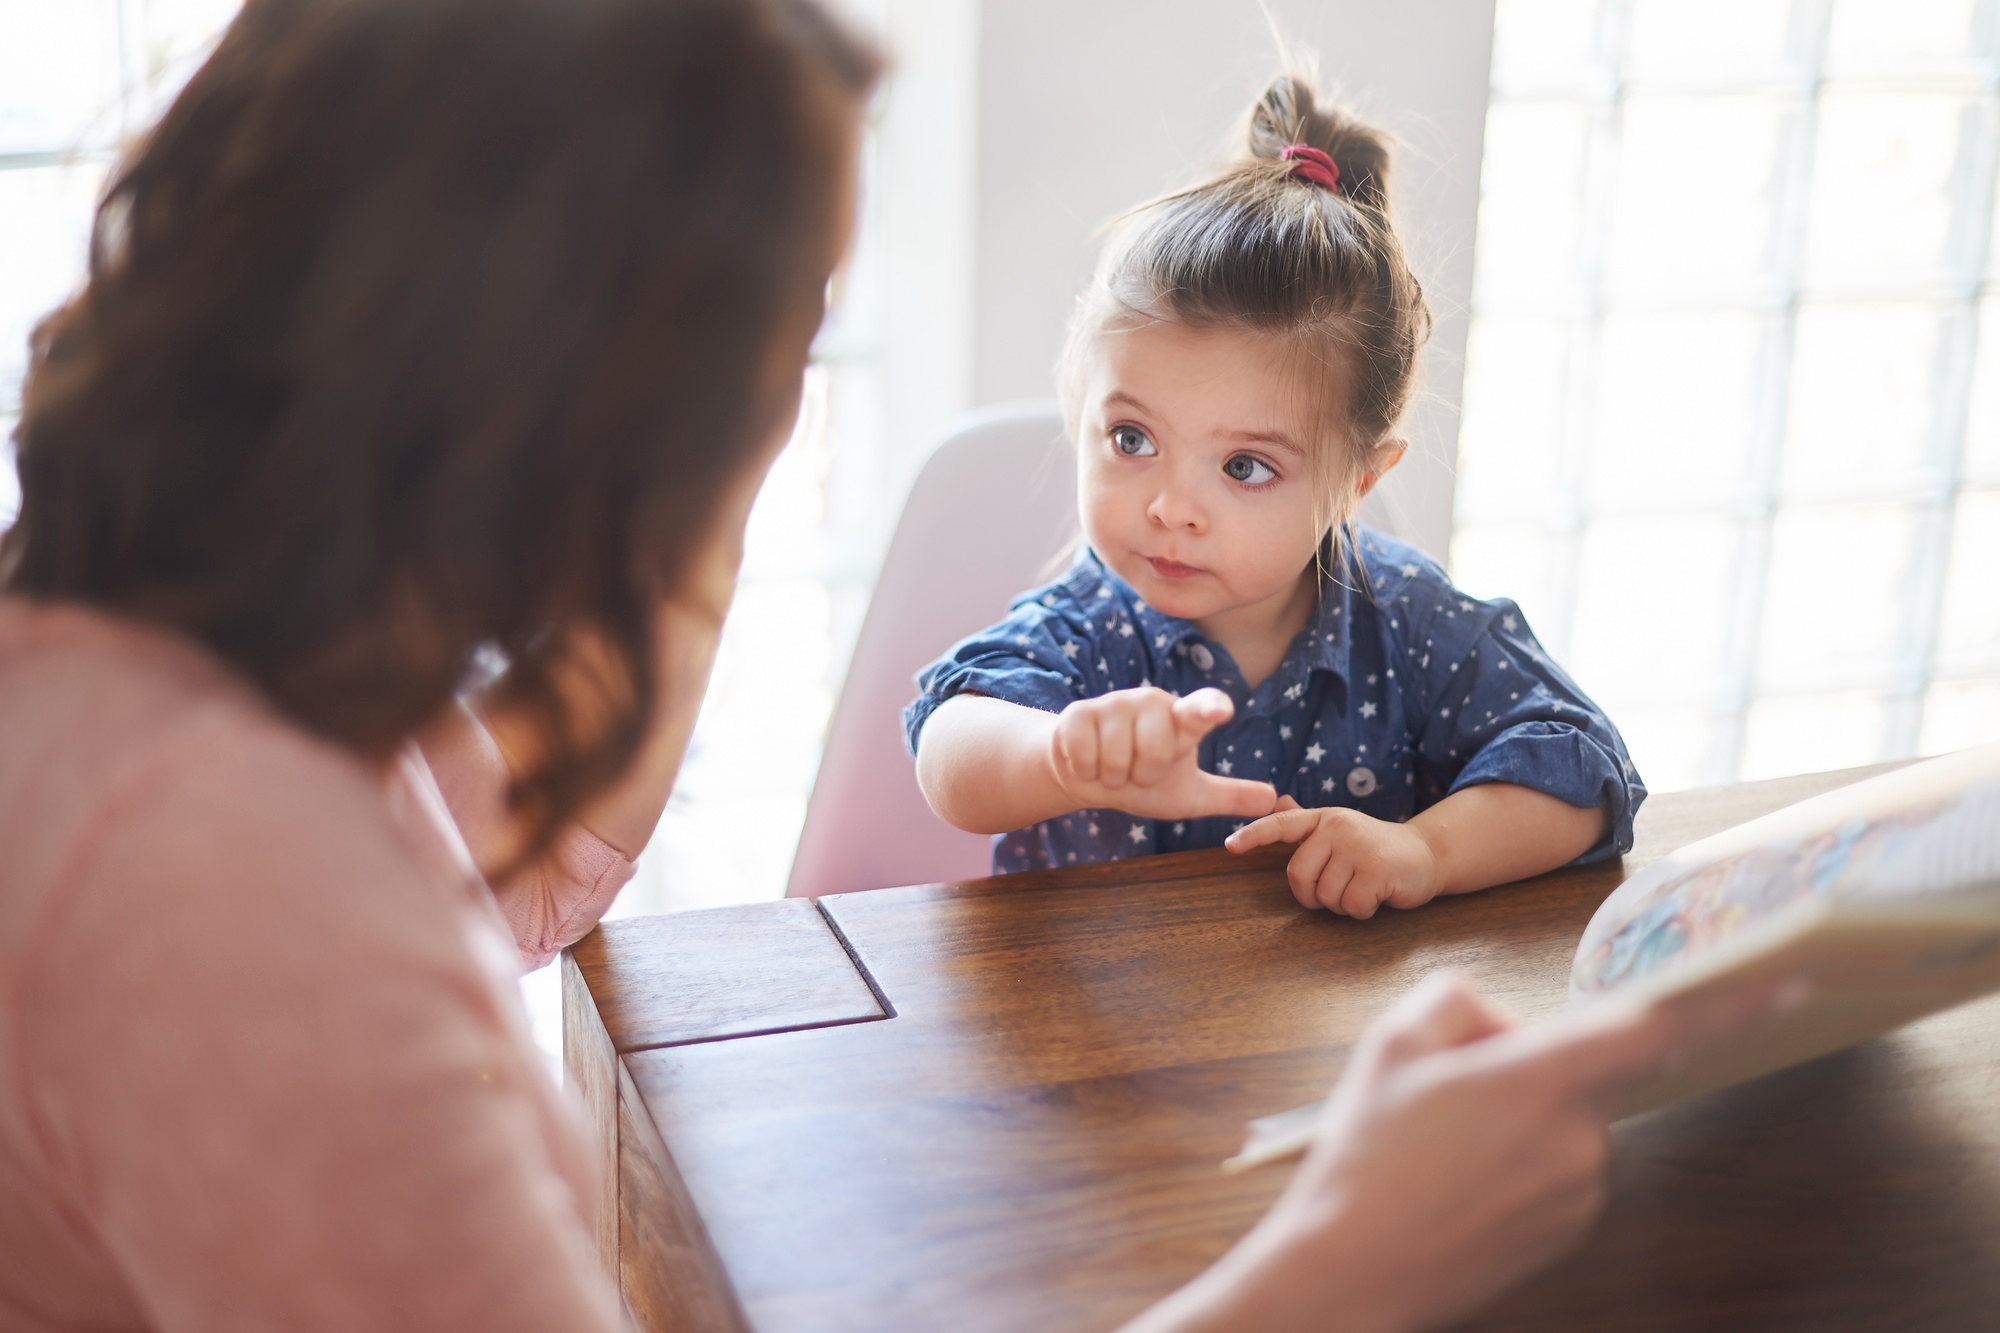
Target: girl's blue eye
[[1132, 442], [1250, 471]]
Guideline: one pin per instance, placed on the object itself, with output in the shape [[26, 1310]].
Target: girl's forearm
[[1497, 833], [985, 765]]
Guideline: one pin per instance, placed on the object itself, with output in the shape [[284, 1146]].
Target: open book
[[1884, 897]]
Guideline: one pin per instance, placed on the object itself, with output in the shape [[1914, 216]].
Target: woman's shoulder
[[125, 741], [87, 696], [62, 648]]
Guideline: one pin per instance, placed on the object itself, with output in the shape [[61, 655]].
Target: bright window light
[[1732, 403]]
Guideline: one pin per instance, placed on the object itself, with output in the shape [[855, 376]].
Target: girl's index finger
[[1293, 825]]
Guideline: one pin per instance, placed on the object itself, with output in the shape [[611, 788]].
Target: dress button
[[1202, 657], [1361, 782]]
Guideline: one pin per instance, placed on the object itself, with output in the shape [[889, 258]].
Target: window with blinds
[[1732, 405]]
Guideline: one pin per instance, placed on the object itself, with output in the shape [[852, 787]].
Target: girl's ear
[[1384, 456]]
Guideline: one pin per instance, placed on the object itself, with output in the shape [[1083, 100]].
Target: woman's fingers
[[1459, 1152], [1441, 1012], [1604, 1048]]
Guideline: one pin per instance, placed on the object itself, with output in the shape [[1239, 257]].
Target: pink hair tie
[[1313, 164]]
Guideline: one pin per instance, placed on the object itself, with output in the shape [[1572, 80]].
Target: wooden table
[[1001, 1105]]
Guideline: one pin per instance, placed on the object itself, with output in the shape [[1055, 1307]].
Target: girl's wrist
[[1436, 844]]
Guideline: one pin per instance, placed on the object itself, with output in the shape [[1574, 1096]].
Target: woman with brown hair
[[434, 349]]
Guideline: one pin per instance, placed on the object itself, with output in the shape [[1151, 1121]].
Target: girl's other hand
[[1347, 862], [1139, 751]]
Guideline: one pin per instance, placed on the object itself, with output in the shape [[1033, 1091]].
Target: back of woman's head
[[422, 326], [1294, 240]]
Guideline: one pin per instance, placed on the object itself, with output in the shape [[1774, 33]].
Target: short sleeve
[[1490, 705], [1044, 655]]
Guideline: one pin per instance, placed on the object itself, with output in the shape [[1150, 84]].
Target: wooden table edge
[[648, 1233]]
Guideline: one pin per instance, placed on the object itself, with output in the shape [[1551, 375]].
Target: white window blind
[[1732, 408]]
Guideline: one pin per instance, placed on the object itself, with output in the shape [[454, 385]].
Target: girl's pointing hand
[[1139, 751]]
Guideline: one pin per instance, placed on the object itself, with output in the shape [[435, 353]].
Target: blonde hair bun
[[1289, 112]]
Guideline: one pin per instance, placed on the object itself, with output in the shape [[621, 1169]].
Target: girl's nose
[[1173, 508]]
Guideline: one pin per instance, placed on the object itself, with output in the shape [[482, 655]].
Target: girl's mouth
[[1171, 569]]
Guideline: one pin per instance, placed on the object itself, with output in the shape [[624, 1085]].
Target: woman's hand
[[1139, 751], [1458, 1154], [1347, 862]]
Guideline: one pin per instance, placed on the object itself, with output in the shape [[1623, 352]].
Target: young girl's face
[[1192, 474]]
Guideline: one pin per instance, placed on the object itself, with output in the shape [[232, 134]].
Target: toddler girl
[[1231, 661]]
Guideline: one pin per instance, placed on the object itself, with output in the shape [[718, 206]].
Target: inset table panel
[[724, 972]]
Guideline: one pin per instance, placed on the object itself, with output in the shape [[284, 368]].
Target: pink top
[[262, 1058]]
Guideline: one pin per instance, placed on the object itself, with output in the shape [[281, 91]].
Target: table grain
[[1000, 1105]]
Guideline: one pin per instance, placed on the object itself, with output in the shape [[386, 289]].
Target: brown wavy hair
[[418, 329]]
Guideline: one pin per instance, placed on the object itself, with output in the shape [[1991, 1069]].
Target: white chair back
[[992, 507]]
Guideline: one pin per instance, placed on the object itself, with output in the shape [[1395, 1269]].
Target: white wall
[[1086, 107]]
